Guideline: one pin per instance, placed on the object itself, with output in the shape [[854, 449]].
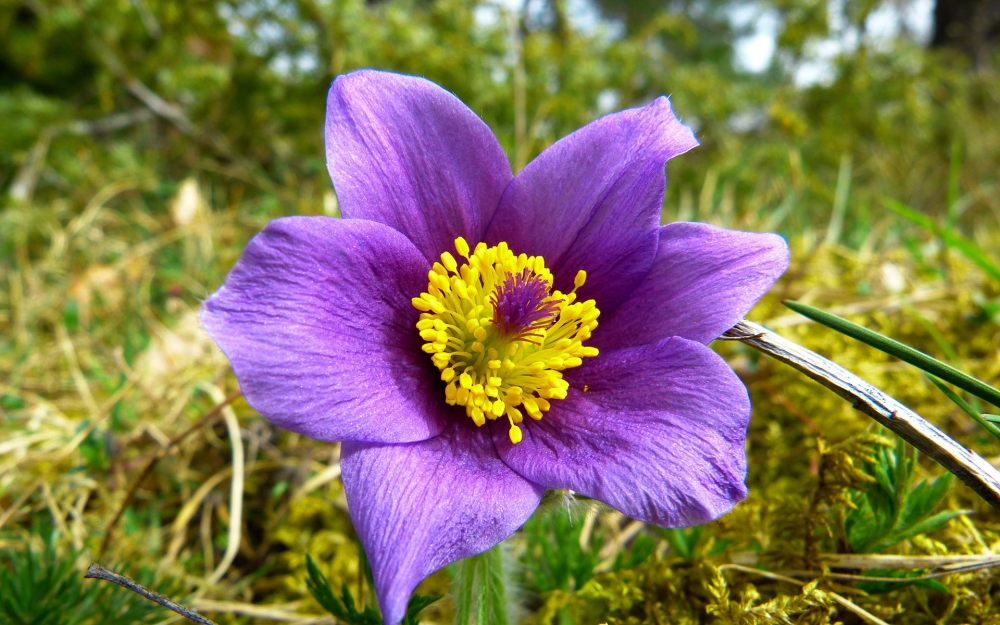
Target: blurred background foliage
[[234, 92], [143, 142]]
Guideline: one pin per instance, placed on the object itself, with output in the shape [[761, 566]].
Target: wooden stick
[[96, 571], [968, 466]]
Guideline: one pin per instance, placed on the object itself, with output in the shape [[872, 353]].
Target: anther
[[515, 434]]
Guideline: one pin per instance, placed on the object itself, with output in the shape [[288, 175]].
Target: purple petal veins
[[656, 431], [406, 153], [592, 201], [421, 506], [316, 323]]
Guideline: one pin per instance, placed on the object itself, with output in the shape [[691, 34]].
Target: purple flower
[[425, 363]]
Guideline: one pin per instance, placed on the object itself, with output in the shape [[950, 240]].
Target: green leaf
[[682, 541], [45, 588], [554, 558], [968, 408], [417, 604], [343, 608], [925, 497], [954, 179], [990, 308], [365, 565], [942, 342], [71, 315], [888, 511], [320, 589], [876, 588], [964, 246], [11, 402], [904, 352], [279, 489], [641, 549], [347, 599], [926, 526]]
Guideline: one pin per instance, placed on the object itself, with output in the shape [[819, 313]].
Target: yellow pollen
[[490, 369]]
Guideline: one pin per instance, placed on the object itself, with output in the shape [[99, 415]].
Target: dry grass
[[103, 365]]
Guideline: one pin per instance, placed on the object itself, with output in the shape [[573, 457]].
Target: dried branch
[[867, 561], [968, 466], [27, 176], [109, 123], [96, 571]]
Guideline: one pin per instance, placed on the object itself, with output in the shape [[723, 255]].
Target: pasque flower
[[474, 338]]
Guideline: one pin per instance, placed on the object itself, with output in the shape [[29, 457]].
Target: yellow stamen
[[490, 369], [515, 434]]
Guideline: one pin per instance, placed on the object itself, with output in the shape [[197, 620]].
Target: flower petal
[[404, 152], [704, 280], [658, 434], [420, 506], [317, 322], [593, 199]]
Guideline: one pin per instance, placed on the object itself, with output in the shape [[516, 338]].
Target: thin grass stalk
[[905, 353], [840, 198], [965, 247], [966, 407]]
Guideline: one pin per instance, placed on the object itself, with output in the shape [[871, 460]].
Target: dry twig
[[968, 466], [96, 571]]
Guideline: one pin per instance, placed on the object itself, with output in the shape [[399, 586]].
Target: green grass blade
[[904, 352], [964, 246], [840, 198], [939, 338], [678, 540], [954, 180], [967, 408]]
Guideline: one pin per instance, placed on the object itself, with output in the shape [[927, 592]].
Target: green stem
[[479, 590], [905, 353]]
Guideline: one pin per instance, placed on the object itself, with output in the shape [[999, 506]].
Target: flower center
[[500, 335]]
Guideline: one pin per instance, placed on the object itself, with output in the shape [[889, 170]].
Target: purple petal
[[404, 152], [704, 280], [659, 434], [593, 199], [421, 506], [317, 322]]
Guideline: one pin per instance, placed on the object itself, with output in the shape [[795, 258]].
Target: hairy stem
[[480, 591]]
